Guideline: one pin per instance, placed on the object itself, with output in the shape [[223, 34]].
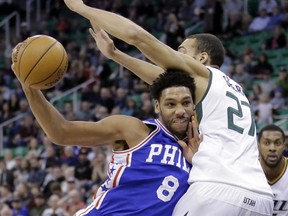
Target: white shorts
[[209, 199]]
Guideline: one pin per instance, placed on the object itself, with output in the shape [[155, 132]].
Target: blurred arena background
[[254, 33]]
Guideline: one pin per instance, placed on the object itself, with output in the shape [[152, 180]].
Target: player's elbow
[[135, 36], [59, 135], [55, 140]]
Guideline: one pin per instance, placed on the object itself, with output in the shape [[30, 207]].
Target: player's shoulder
[[215, 73], [124, 122], [132, 130], [214, 69]]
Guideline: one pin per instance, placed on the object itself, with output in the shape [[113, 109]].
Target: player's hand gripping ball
[[40, 61]]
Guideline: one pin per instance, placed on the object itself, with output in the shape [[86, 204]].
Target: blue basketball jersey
[[147, 179]]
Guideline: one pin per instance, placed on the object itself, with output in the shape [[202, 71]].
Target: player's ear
[[156, 107], [204, 57]]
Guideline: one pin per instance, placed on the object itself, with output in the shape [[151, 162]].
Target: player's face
[[271, 147], [175, 109]]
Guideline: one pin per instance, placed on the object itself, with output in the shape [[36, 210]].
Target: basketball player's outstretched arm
[[126, 30], [63, 132], [137, 66], [82, 133]]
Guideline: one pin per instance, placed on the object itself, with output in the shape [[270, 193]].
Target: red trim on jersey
[[87, 210], [100, 199], [116, 176], [127, 159]]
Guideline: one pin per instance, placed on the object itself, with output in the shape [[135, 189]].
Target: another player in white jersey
[[226, 178], [271, 141]]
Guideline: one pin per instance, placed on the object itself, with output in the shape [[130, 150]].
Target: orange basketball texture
[[41, 62]]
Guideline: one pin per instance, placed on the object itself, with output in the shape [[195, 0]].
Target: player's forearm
[[114, 24], [129, 32], [47, 116], [144, 70]]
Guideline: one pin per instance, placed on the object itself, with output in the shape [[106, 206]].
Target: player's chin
[[180, 129]]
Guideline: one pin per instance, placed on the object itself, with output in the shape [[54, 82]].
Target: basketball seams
[[63, 58], [43, 62], [40, 59], [19, 62]]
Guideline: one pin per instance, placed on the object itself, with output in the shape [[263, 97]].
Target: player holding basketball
[[151, 175], [271, 141], [226, 178]]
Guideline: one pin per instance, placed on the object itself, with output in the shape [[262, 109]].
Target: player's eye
[[278, 143], [170, 105], [187, 103]]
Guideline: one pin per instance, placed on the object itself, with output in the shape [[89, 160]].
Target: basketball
[[40, 61]]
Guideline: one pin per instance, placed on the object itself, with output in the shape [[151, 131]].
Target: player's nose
[[180, 111], [272, 147]]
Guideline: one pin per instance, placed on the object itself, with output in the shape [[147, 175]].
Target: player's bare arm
[[144, 70], [63, 132], [140, 68], [124, 29]]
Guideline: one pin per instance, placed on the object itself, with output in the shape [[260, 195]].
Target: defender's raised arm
[[131, 33]]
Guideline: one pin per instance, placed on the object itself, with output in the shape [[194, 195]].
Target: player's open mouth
[[272, 157]]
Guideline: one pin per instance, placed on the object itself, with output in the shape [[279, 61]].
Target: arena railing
[[7, 27], [29, 7], [75, 102]]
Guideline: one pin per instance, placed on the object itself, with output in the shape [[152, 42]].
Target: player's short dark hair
[[271, 127], [210, 44], [172, 78]]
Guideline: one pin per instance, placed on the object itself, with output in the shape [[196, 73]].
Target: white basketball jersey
[[229, 152], [280, 191]]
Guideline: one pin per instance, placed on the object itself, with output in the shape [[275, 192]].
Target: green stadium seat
[[20, 151], [283, 111], [252, 6]]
